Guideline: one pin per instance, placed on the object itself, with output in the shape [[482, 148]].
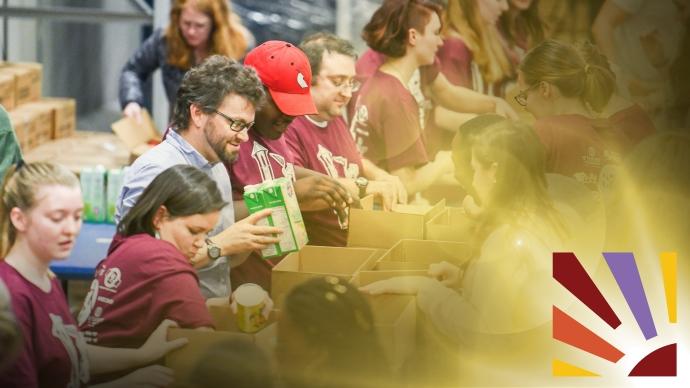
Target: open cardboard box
[[419, 254], [395, 319], [452, 224], [372, 228], [362, 278], [184, 360], [315, 261], [137, 137]]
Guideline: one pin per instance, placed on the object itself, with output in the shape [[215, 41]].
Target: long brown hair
[[19, 189], [227, 37], [463, 17], [526, 23]]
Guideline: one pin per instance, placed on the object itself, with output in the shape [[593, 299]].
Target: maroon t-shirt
[[387, 126], [577, 146], [455, 59], [329, 150], [54, 353], [143, 281], [634, 122], [259, 160]]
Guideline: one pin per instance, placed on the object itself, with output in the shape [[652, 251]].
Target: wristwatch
[[212, 250], [362, 184]]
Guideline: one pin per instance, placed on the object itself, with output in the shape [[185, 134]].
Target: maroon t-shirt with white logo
[[260, 159], [329, 150], [387, 125], [53, 352], [143, 281]]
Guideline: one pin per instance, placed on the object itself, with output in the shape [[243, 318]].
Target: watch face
[[213, 252]]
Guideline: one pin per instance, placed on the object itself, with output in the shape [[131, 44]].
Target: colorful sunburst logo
[[570, 273]]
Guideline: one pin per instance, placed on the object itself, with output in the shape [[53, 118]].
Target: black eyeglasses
[[344, 83], [235, 125], [521, 97]]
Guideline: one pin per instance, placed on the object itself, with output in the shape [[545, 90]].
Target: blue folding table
[[91, 247]]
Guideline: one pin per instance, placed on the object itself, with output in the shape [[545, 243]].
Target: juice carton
[[93, 191], [115, 180], [279, 196]]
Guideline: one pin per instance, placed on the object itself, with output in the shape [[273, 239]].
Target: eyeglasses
[[521, 97], [344, 83], [235, 125]]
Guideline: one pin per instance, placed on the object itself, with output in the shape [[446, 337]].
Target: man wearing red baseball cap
[[285, 73]]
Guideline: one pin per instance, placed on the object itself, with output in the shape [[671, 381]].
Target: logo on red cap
[[285, 71]]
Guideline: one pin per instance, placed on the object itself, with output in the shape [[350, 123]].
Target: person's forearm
[[372, 171], [461, 99], [106, 360], [416, 180], [450, 120], [241, 211]]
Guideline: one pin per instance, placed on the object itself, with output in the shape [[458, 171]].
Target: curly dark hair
[[207, 84]]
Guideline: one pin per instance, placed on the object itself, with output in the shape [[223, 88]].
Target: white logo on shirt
[[260, 155], [301, 81], [358, 128], [113, 278], [75, 347], [328, 162], [89, 302]]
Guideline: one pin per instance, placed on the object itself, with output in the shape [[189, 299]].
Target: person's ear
[[197, 116], [19, 219], [158, 218], [547, 90], [412, 36]]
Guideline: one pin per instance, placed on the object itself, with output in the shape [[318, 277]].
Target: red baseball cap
[[285, 71]]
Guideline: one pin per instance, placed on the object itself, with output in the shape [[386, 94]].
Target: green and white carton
[[93, 191], [115, 180], [279, 196]]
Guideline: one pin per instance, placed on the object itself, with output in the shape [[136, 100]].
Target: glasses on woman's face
[[521, 97], [235, 124], [344, 83]]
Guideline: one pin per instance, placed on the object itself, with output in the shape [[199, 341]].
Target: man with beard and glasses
[[213, 111], [286, 76]]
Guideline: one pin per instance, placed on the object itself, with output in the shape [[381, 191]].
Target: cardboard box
[[419, 254], [395, 321], [7, 90], [138, 138], [362, 278], [32, 125], [372, 228], [314, 261], [184, 360], [27, 80], [84, 149], [63, 114], [452, 224]]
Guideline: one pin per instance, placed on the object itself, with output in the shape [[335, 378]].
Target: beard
[[219, 145]]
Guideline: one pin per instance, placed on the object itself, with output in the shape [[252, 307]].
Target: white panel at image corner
[[161, 16]]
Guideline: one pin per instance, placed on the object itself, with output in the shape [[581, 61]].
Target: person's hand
[[445, 159], [386, 191], [504, 109], [247, 235], [318, 192], [157, 345], [446, 273], [409, 285], [471, 208], [133, 111], [150, 376], [399, 186]]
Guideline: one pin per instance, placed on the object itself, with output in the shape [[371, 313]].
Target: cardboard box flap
[[367, 277], [452, 224], [133, 134], [425, 253], [325, 260]]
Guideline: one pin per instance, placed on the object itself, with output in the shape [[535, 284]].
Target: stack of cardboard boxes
[[36, 120]]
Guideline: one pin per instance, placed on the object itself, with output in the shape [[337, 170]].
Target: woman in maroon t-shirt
[[40, 218], [148, 273], [566, 94]]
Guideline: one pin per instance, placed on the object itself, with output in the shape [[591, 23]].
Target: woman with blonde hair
[[472, 54], [40, 217], [197, 30]]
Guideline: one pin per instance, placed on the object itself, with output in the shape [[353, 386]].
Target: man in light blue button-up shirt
[[215, 107]]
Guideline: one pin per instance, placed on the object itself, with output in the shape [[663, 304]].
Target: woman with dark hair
[[327, 338], [147, 276], [521, 27], [567, 94], [197, 30]]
